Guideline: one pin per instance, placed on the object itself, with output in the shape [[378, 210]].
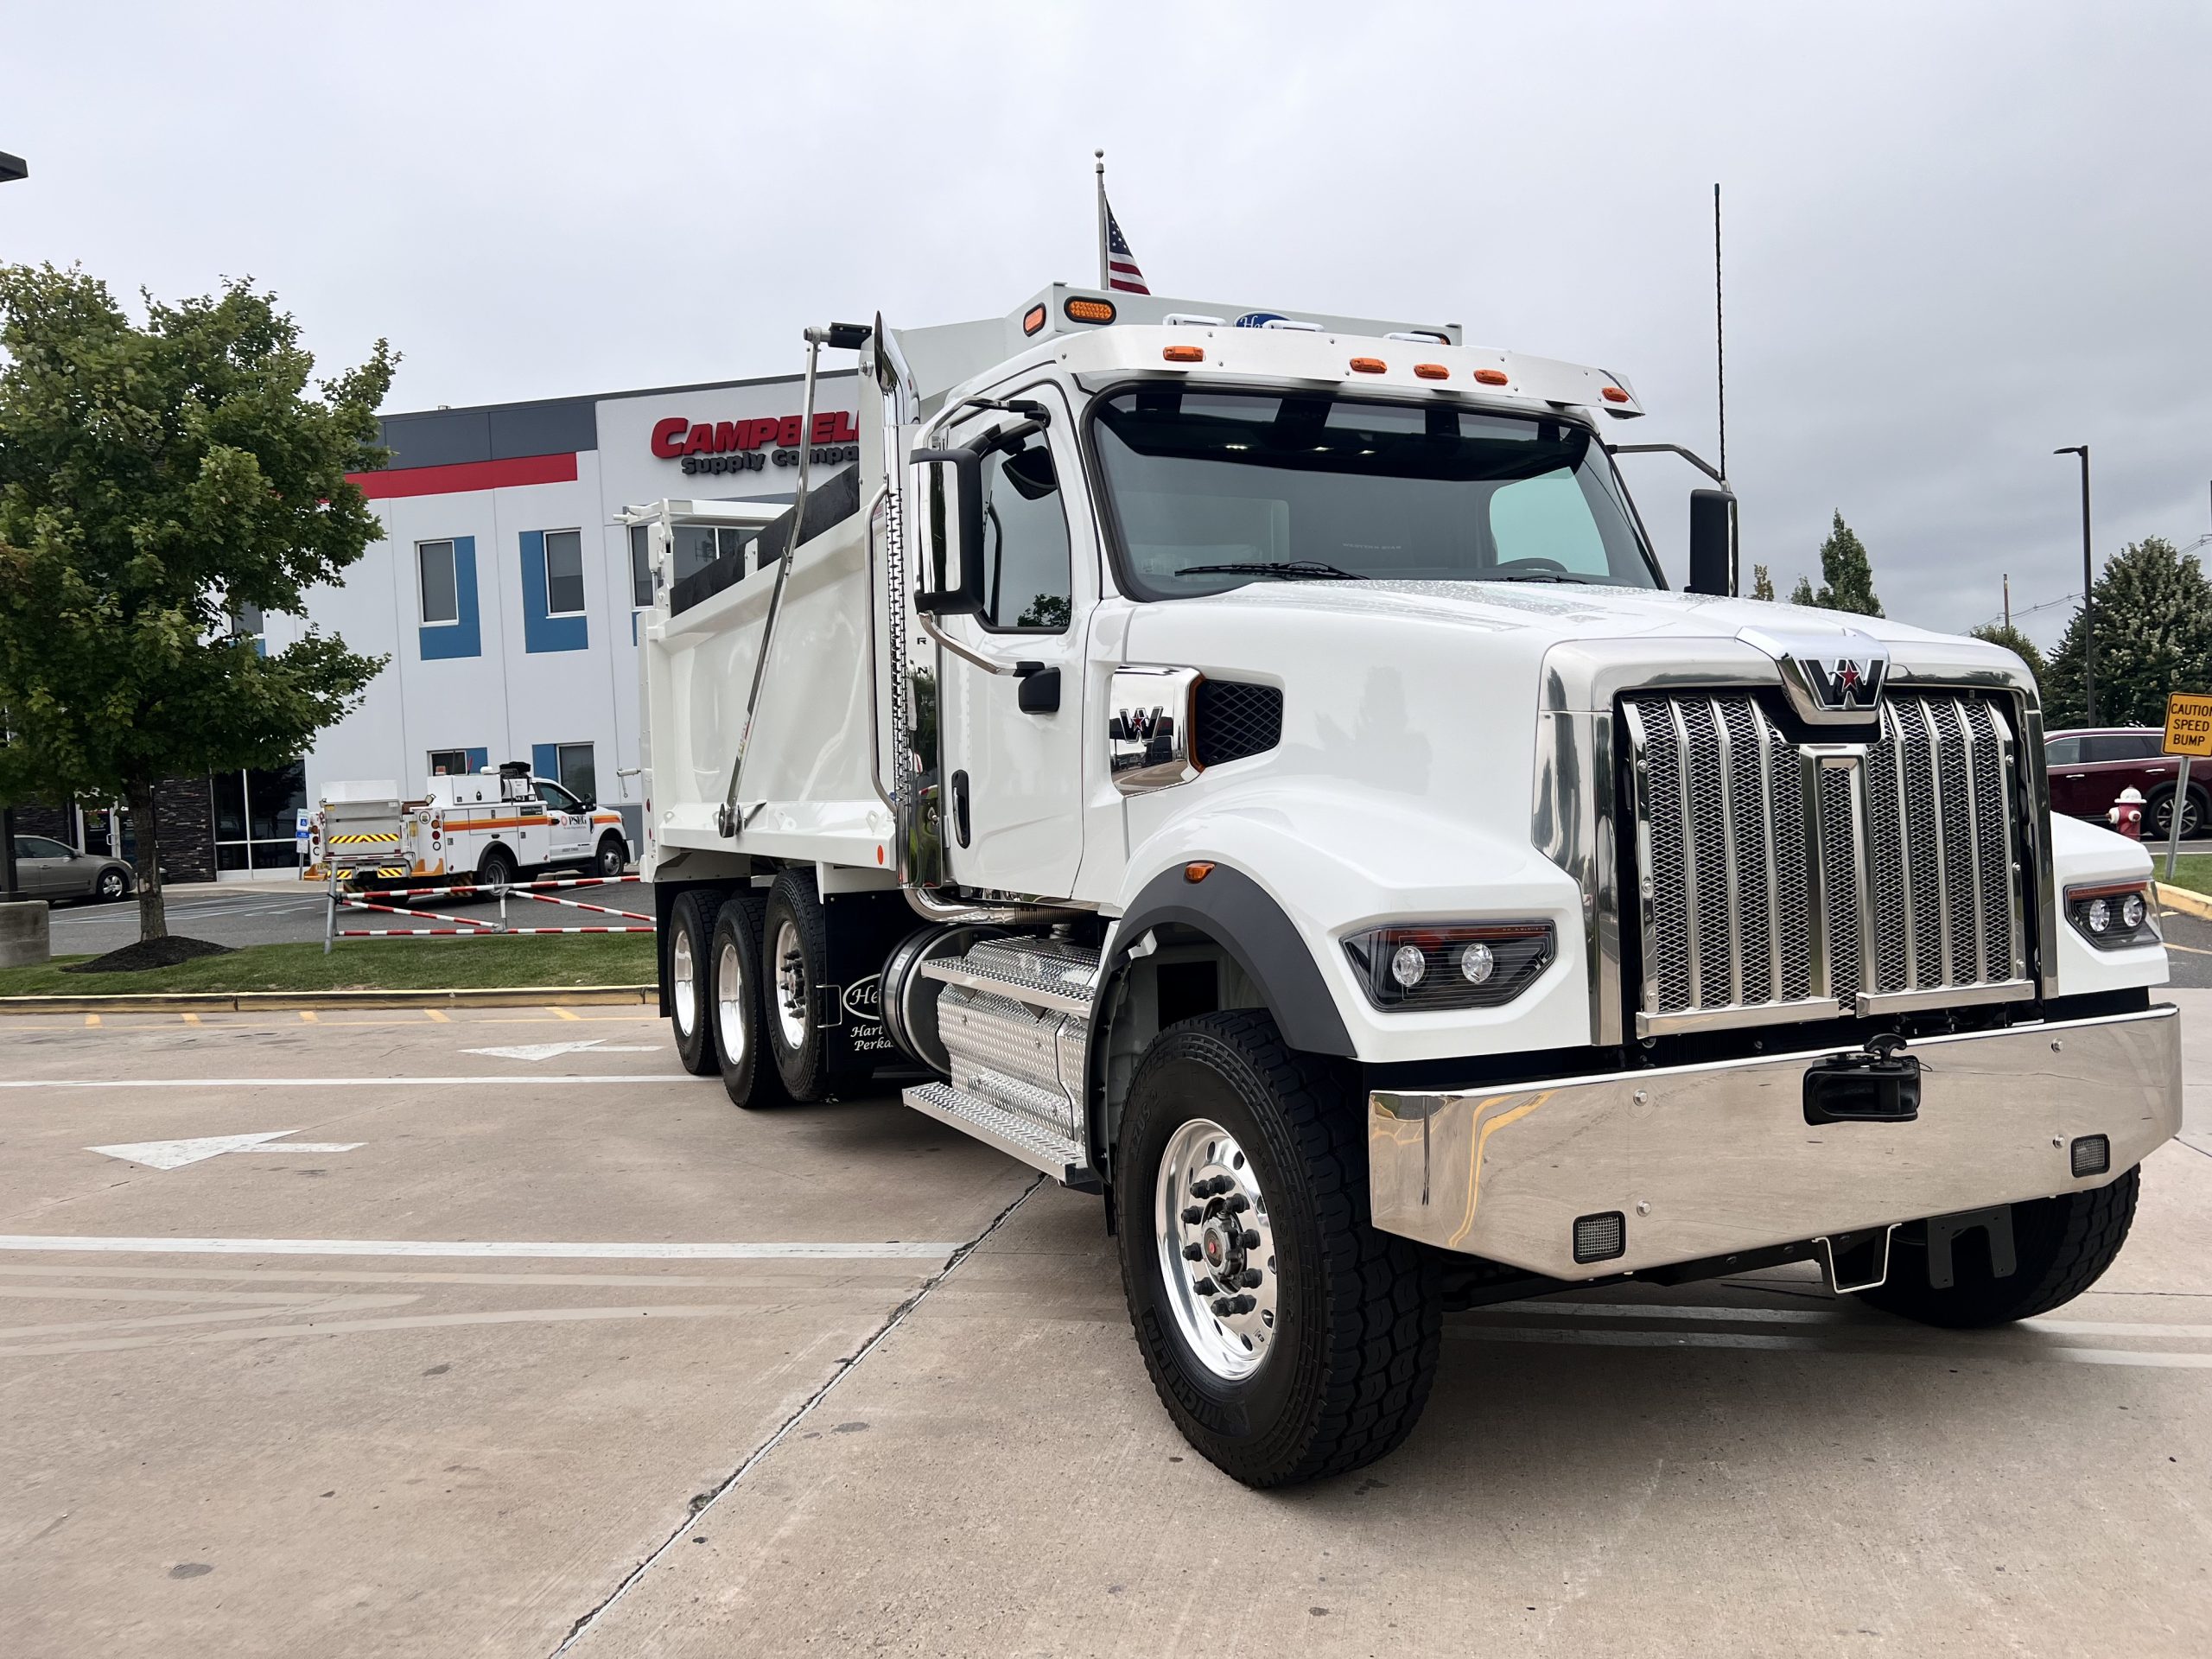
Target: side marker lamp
[[1492, 377], [1081, 310], [1184, 353]]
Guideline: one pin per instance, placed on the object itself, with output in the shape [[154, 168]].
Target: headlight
[[2111, 915], [1450, 965]]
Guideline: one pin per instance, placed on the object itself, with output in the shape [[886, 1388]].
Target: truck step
[[1018, 1134], [1043, 973]]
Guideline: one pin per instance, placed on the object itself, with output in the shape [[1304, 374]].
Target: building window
[[577, 770], [641, 569], [698, 546], [564, 573], [440, 590], [448, 763], [256, 814]]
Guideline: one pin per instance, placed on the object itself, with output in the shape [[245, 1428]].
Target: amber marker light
[[1032, 319], [1197, 872], [1613, 395], [1090, 310], [1490, 376], [1432, 371], [1184, 353], [1368, 365]]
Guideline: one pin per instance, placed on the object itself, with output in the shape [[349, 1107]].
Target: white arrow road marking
[[548, 1050], [175, 1154]]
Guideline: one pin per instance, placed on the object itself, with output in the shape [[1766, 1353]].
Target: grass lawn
[[370, 964], [2191, 870]]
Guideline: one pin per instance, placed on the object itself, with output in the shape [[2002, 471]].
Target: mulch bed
[[165, 952]]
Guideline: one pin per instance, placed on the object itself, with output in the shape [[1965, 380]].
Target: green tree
[[2154, 636], [1762, 583], [1803, 593], [1846, 576], [155, 481], [1999, 633]]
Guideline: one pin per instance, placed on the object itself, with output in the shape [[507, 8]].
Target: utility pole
[[2088, 594], [11, 168]]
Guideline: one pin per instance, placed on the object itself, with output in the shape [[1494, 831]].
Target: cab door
[[1013, 704], [568, 832]]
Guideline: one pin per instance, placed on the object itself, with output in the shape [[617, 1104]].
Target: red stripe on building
[[466, 476]]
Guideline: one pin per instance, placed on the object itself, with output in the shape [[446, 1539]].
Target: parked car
[[2089, 768], [46, 869]]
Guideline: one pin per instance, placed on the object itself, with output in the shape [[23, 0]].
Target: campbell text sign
[[750, 445]]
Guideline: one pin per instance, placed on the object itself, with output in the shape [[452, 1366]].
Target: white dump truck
[[1249, 765]]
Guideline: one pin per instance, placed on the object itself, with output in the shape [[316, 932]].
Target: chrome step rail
[[1014, 1020]]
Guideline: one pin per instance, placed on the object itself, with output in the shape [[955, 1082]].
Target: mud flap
[[860, 930]]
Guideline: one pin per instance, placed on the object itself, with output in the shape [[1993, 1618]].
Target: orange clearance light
[[1184, 353], [1432, 371], [1090, 310], [1032, 319], [1368, 365], [1197, 872], [1613, 395], [1490, 376]]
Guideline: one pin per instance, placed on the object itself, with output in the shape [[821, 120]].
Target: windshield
[[1312, 486]]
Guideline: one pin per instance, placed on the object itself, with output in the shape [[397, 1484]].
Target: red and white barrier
[[469, 927]]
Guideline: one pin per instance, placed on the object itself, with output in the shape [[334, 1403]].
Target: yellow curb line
[[2188, 903], [247, 1001]]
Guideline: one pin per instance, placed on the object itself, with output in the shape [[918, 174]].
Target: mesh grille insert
[[1234, 720]]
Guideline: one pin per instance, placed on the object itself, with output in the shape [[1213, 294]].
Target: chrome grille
[[1784, 881]]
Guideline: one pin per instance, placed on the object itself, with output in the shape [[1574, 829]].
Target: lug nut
[[1222, 1307], [1205, 1287], [1250, 1241], [1222, 1183], [1201, 1187], [1193, 1253], [1238, 1204], [1242, 1305], [1252, 1277], [1192, 1215]]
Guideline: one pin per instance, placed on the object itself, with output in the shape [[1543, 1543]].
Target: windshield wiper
[[1540, 576], [1287, 570]]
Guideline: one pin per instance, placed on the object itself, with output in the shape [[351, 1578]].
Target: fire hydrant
[[2127, 816]]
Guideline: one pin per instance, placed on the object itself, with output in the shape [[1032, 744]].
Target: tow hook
[[1878, 1085], [1855, 1262]]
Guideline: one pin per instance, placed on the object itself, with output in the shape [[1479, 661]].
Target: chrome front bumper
[[1704, 1160]]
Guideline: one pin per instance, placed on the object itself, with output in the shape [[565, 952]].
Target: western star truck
[[1249, 765]]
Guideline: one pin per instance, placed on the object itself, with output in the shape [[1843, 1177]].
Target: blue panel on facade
[[545, 760], [478, 759], [542, 632], [463, 638]]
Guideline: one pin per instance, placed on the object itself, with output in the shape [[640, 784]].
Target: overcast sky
[[1957, 236]]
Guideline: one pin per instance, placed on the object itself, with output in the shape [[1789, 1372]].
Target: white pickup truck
[[1251, 765]]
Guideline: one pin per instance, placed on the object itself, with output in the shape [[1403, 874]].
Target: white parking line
[[789, 1250], [331, 1083]]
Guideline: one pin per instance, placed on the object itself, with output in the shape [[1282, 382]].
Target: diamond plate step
[[1015, 1133], [1043, 973]]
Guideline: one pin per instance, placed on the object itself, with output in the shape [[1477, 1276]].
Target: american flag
[[1121, 272]]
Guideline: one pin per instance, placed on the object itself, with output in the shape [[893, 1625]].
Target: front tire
[[113, 887], [1319, 1355], [740, 1015], [689, 928], [612, 859], [2061, 1246], [2158, 816]]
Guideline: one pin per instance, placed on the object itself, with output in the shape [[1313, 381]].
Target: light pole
[[2088, 594], [11, 168]]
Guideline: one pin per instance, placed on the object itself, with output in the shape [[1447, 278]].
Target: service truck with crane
[[1249, 765]]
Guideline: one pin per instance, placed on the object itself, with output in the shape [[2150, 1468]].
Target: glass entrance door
[[255, 811]]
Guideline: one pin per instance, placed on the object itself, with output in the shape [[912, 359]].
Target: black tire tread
[[741, 913], [794, 891], [693, 908], [1384, 1329]]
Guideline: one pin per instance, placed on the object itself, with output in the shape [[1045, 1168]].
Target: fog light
[[1478, 963], [1600, 1238], [2098, 917], [2092, 1155], [1408, 965], [2131, 911]]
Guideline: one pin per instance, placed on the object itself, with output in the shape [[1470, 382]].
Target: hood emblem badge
[[1832, 677]]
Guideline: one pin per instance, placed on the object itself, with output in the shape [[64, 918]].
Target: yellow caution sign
[[2189, 724]]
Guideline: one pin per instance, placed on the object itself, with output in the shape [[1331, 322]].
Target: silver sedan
[[46, 869]]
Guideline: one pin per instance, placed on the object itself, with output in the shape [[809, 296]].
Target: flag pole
[[1099, 168]]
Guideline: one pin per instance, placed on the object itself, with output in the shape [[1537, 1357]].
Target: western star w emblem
[[1843, 682]]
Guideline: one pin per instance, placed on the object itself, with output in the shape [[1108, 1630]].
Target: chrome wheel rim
[[110, 885], [729, 1002], [684, 974], [791, 987], [1217, 1249]]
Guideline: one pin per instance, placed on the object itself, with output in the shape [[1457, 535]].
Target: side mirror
[[1713, 553], [965, 598]]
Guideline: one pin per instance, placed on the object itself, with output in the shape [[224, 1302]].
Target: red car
[[2088, 768]]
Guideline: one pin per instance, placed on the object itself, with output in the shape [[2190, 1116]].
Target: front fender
[[1308, 866]]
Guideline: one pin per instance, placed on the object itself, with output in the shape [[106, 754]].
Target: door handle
[[1037, 690], [960, 806]]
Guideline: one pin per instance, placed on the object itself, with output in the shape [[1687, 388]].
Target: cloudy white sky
[[1959, 236]]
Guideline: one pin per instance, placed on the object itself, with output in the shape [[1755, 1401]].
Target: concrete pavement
[[752, 1411]]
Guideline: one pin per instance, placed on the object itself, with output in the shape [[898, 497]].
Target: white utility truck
[[1250, 765], [495, 826]]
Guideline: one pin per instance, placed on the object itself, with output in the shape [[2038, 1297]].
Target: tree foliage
[[2153, 634], [1762, 583], [154, 481], [1803, 593], [1999, 633], [1847, 574]]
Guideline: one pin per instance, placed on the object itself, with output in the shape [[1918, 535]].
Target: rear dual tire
[[748, 1072], [690, 930], [1329, 1366]]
